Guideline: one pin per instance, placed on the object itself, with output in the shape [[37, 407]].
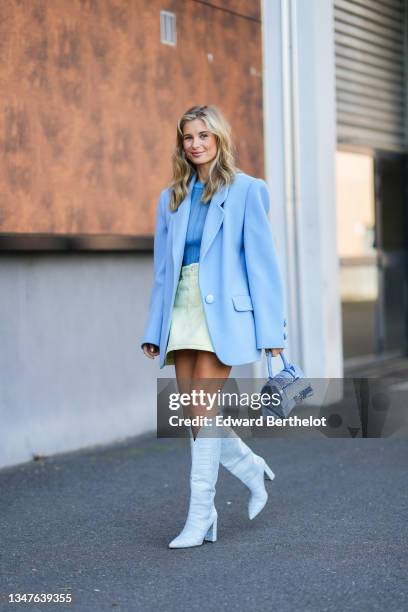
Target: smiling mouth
[[196, 154]]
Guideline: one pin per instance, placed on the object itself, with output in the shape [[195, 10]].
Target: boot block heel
[[211, 535], [268, 473]]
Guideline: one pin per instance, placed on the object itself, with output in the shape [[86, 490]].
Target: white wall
[[300, 136], [72, 373]]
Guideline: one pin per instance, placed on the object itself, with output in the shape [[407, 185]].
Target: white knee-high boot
[[201, 523], [250, 468]]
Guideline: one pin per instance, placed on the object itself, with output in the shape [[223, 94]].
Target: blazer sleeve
[[264, 278], [154, 322]]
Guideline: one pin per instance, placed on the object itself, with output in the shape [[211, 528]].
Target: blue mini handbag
[[289, 384]]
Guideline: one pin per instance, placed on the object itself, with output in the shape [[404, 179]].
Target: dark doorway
[[391, 243], [372, 218]]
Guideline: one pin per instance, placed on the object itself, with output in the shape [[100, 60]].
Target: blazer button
[[285, 335], [285, 322], [209, 298]]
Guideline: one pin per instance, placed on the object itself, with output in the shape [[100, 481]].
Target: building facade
[[316, 95]]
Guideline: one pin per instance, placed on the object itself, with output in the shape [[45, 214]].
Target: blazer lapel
[[180, 223], [213, 221]]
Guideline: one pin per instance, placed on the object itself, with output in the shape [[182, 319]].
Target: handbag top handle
[[269, 358]]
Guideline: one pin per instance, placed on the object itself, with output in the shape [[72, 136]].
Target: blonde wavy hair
[[222, 170]]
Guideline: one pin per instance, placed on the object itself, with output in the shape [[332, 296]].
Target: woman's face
[[200, 145]]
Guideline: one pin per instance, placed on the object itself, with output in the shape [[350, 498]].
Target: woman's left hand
[[275, 351]]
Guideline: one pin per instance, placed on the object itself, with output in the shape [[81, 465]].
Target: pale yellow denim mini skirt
[[188, 327]]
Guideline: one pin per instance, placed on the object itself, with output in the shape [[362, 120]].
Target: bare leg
[[184, 362], [209, 376], [193, 368]]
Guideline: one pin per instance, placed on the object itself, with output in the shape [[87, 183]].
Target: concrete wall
[[70, 365], [72, 373], [300, 140]]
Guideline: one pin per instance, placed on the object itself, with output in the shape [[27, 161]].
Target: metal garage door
[[370, 38]]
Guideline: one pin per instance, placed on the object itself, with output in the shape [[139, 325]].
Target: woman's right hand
[[150, 350]]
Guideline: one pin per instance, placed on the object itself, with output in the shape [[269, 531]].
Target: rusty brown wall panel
[[89, 102], [247, 8]]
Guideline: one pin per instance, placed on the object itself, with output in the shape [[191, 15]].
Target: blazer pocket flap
[[242, 302]]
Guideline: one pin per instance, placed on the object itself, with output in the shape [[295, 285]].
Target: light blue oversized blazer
[[239, 278]]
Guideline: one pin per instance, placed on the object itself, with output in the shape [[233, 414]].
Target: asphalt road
[[333, 536]]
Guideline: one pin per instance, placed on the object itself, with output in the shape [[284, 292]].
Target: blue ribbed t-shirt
[[198, 214]]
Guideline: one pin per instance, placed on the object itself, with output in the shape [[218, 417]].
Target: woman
[[216, 301]]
